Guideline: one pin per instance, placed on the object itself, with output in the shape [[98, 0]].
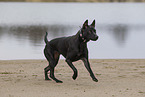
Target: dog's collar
[[82, 37]]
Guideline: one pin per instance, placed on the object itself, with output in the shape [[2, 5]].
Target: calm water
[[120, 26]]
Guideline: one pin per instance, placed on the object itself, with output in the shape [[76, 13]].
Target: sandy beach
[[117, 78]]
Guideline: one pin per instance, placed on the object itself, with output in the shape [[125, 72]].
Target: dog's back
[[61, 45]]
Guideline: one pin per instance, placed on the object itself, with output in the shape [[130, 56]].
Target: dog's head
[[88, 32]]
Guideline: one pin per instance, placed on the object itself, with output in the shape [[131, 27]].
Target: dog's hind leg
[[48, 52], [45, 72], [53, 64], [53, 77], [48, 67], [52, 57]]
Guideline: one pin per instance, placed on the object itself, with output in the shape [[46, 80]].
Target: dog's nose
[[97, 37]]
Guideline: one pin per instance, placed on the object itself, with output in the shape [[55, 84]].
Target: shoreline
[[76, 61]]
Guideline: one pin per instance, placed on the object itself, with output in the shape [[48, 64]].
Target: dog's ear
[[85, 24], [93, 24]]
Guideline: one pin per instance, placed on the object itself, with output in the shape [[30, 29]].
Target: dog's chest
[[82, 47], [78, 56], [81, 50]]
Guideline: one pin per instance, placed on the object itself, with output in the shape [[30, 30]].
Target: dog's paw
[[95, 80], [59, 81], [74, 77], [47, 79]]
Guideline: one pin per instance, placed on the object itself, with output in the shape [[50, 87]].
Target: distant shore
[[117, 78], [73, 0]]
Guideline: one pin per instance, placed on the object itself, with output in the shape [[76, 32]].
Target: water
[[120, 26]]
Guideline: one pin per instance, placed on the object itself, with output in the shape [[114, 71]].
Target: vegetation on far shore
[[72, 0]]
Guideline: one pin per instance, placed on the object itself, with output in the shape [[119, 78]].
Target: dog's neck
[[81, 36]]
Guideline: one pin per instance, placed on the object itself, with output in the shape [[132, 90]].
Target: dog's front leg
[[87, 65], [73, 68]]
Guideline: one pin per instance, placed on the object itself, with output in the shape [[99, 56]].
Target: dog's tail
[[45, 38]]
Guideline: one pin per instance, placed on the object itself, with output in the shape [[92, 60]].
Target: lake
[[120, 27]]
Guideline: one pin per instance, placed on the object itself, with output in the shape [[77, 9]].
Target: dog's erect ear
[[93, 24], [85, 24]]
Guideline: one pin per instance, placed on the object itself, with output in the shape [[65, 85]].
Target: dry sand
[[117, 78]]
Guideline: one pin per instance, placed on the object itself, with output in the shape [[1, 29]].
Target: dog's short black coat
[[73, 48]]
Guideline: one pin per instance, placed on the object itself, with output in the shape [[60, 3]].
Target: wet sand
[[117, 78]]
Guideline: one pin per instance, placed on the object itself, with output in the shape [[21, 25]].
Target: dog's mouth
[[95, 38]]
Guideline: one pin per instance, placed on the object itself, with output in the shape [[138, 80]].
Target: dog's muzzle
[[95, 38]]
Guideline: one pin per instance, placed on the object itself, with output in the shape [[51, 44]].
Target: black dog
[[73, 48]]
